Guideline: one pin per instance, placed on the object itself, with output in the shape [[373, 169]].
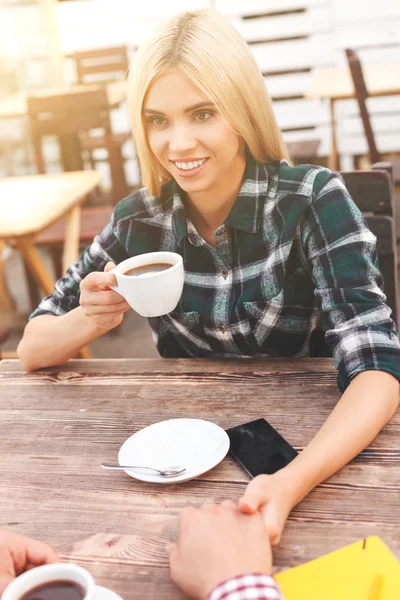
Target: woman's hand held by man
[[98, 302], [273, 498]]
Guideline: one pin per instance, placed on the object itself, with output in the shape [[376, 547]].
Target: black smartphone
[[259, 448]]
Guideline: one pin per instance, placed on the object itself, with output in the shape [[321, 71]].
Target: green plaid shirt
[[294, 251]]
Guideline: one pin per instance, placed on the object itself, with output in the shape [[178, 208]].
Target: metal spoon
[[165, 472]]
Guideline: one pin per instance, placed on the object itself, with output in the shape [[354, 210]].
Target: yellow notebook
[[346, 574]]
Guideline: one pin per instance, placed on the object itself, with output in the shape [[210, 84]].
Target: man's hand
[[216, 543], [271, 495], [99, 302], [19, 553]]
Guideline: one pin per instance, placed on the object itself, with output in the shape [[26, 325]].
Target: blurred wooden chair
[[71, 116], [67, 115], [361, 93], [101, 66], [372, 192]]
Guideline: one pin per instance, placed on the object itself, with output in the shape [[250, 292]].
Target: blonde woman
[[267, 247]]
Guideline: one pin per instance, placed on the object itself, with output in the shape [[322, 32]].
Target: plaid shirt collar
[[248, 209]]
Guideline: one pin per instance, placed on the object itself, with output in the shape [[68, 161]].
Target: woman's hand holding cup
[[99, 302]]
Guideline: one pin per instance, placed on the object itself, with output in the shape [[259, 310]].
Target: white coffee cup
[[48, 573], [151, 294]]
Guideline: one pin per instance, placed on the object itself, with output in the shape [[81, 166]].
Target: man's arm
[[222, 554], [253, 586]]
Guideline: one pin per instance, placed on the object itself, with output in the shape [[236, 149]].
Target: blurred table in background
[[29, 205], [336, 84]]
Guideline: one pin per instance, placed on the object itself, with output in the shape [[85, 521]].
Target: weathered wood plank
[[311, 52], [254, 7], [373, 32], [170, 365], [149, 510], [189, 377], [300, 113], [288, 85], [358, 10], [298, 24]]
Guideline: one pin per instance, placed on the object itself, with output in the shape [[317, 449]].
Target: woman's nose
[[181, 140]]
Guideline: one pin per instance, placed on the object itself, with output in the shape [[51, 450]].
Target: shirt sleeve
[[65, 296], [340, 251], [247, 587]]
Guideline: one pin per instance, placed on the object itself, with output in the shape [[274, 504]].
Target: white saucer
[[103, 593], [192, 443]]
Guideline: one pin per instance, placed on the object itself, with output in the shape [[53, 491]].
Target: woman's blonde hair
[[206, 48]]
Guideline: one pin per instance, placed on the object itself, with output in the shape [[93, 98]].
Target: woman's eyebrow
[[187, 110]]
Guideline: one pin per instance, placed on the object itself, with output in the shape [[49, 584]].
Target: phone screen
[[259, 448]]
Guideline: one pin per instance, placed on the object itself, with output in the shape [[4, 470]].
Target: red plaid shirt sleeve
[[247, 587]]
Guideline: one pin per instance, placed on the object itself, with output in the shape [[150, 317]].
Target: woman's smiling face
[[189, 136]]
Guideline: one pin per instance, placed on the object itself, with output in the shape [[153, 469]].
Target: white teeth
[[186, 166]]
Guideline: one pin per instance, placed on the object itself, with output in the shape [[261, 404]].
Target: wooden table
[[336, 84], [60, 424], [14, 106], [29, 205]]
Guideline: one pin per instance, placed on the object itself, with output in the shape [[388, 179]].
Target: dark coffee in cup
[[145, 269], [55, 590]]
